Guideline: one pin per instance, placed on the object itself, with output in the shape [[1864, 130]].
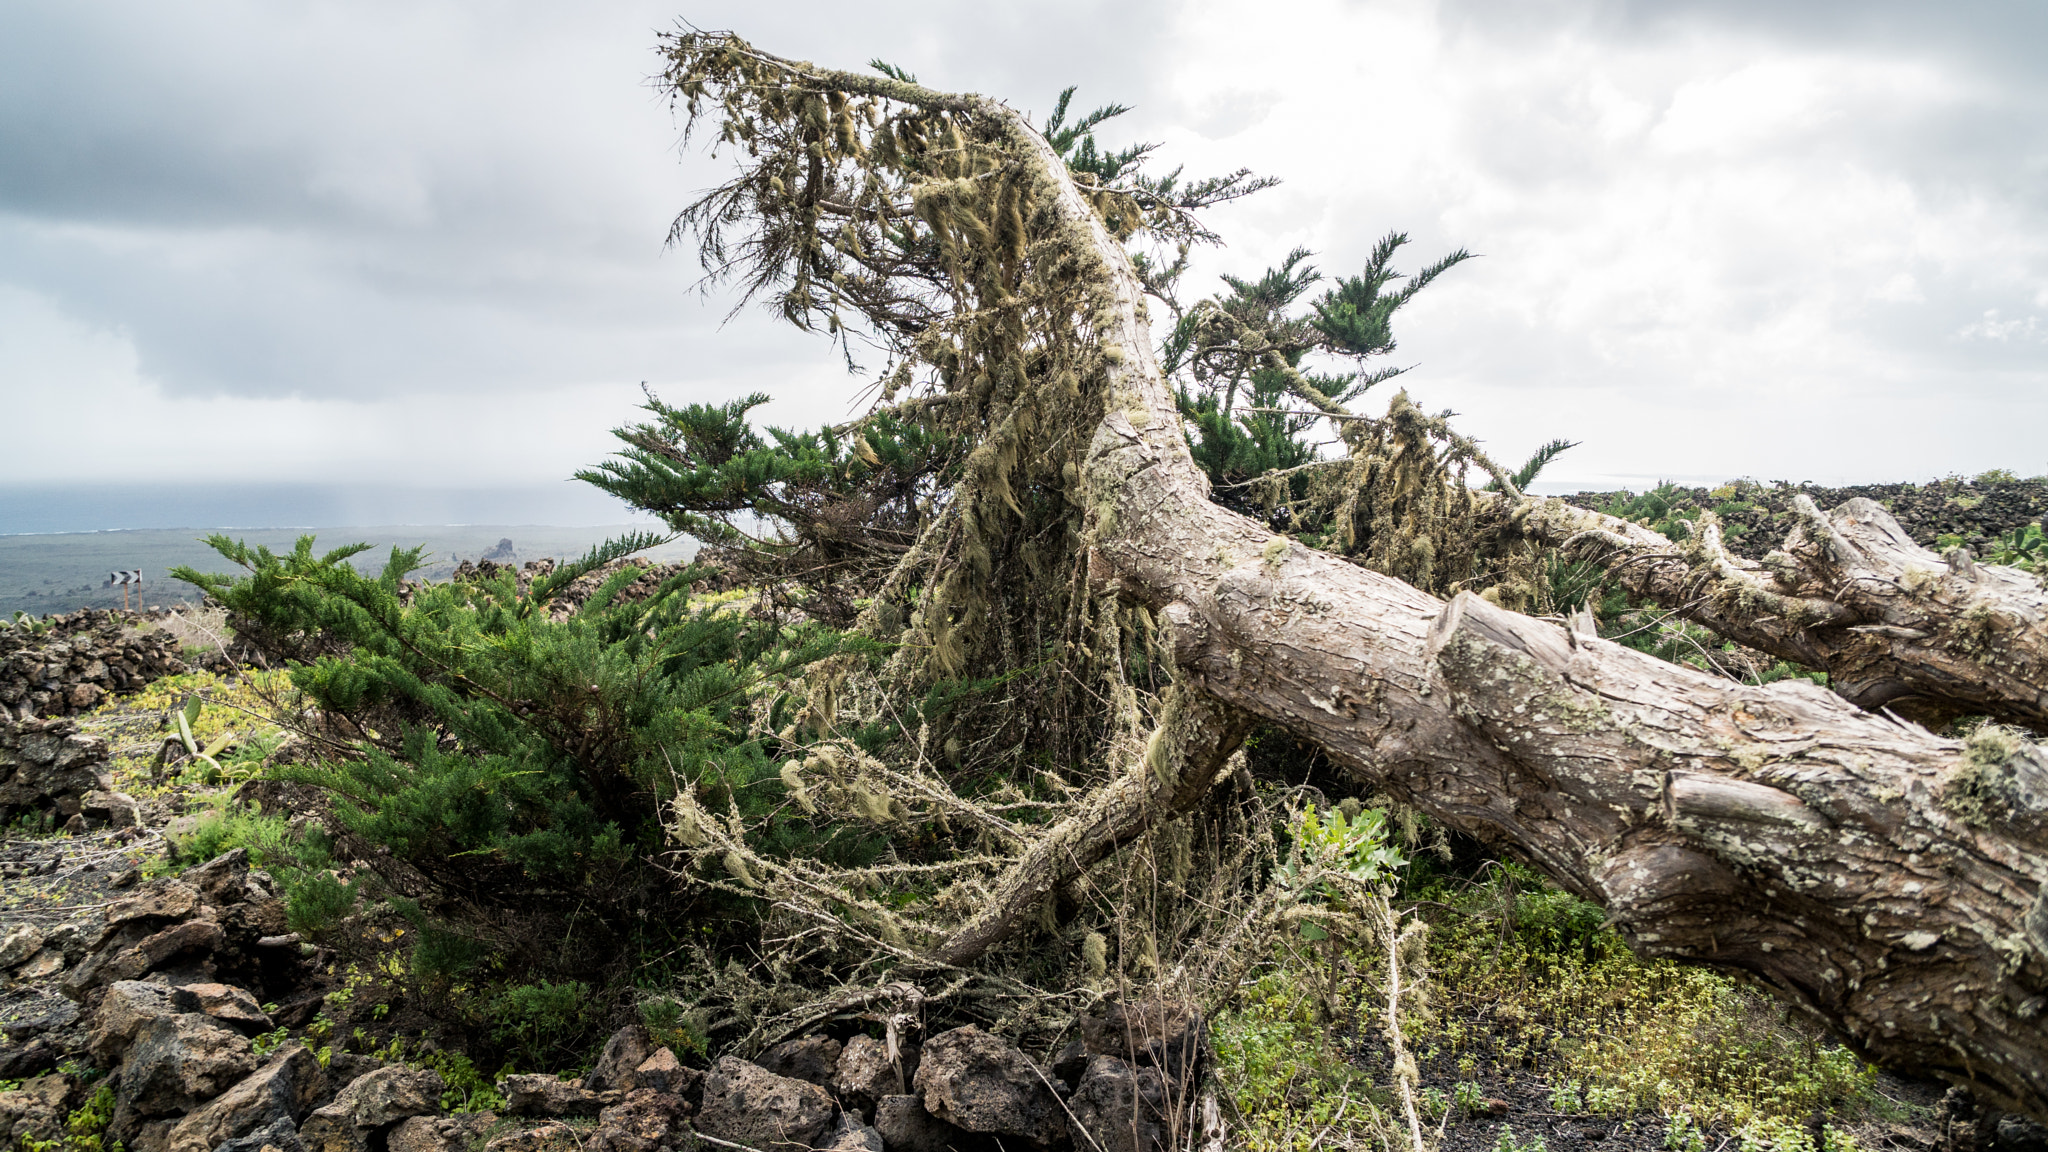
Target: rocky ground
[[183, 1007], [176, 1011]]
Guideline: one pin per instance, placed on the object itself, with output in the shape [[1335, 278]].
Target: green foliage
[[85, 1129], [1357, 316], [535, 1020], [1237, 448], [315, 899], [516, 754], [1683, 1134], [1563, 993], [1505, 1141], [1534, 465], [465, 1088], [264, 1043], [1353, 845], [706, 471], [1275, 1058], [1528, 981], [516, 750], [2024, 548], [673, 1028], [1468, 1096], [1661, 509]]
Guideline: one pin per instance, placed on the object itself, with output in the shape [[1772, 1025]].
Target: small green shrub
[[1564, 1097], [465, 1088], [1682, 1134], [673, 1027], [315, 899], [535, 1020], [1506, 1142], [1469, 1096]]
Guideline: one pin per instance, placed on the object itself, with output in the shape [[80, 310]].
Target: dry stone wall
[[68, 664], [52, 774]]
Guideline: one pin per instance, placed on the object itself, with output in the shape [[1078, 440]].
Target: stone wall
[[52, 773], [70, 663]]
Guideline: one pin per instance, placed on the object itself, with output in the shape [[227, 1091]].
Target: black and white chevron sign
[[132, 576]]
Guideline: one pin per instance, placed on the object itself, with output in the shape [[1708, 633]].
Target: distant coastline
[[46, 572]]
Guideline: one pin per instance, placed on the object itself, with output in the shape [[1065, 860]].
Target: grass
[[1555, 1012], [241, 710]]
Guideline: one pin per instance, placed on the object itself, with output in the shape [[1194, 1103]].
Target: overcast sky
[[420, 244]]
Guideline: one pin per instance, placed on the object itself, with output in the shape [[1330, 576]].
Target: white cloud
[[1707, 253], [91, 413], [426, 237]]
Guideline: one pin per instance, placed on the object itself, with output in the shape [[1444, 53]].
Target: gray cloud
[[381, 209]]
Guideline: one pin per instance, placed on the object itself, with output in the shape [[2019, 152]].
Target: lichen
[[1980, 788]]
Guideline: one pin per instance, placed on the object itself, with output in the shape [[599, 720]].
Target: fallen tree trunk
[[1886, 881], [1850, 593]]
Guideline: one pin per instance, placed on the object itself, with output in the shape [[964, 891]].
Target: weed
[[1564, 1098], [1561, 992], [264, 1043], [2024, 548], [1506, 1142], [1681, 1134], [533, 1019], [1275, 1058], [1469, 1097], [465, 1088]]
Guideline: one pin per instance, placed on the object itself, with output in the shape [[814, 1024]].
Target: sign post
[[131, 576]]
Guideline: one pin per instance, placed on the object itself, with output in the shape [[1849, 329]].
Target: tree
[[1084, 636]]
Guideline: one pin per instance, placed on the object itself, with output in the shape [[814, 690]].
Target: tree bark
[[1850, 593], [1187, 757], [1886, 881]]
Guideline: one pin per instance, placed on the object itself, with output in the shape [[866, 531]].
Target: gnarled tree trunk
[[1893, 624], [1886, 881]]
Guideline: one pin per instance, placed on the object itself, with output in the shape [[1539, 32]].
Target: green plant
[[1505, 1142], [1682, 1134], [536, 1019], [2025, 548], [1615, 1033], [519, 752], [673, 1027], [1333, 844], [264, 1043], [1564, 1097], [1275, 1057], [464, 1087], [1469, 1097], [85, 1129], [315, 899], [541, 1023]]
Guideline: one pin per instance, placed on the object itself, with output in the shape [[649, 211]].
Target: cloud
[[1713, 246], [1720, 236]]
